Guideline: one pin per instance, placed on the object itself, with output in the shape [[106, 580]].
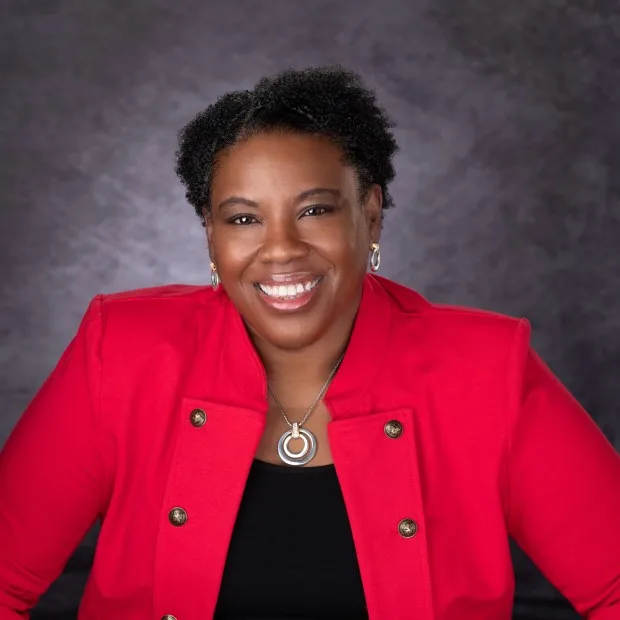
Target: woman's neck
[[308, 367]]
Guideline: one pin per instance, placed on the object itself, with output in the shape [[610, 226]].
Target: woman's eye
[[241, 220], [316, 210]]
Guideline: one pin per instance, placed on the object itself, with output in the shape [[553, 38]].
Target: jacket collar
[[227, 370]]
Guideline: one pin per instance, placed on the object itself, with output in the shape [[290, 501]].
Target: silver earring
[[215, 278], [375, 257]]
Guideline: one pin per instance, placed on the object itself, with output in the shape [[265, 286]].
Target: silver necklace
[[306, 454]]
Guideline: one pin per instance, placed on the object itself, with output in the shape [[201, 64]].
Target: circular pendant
[[297, 458]]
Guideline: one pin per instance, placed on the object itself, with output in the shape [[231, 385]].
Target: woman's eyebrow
[[309, 193], [318, 190], [232, 200]]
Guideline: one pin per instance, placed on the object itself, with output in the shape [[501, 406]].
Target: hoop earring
[[215, 278], [375, 257]]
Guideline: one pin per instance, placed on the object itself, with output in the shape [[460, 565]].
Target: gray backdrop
[[508, 188]]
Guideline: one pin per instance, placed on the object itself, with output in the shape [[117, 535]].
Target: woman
[[303, 439]]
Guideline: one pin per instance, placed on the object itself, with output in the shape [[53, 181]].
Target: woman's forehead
[[282, 163]]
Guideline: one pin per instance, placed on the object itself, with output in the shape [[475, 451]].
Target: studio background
[[507, 194]]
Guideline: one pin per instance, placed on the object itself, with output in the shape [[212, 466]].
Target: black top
[[291, 555]]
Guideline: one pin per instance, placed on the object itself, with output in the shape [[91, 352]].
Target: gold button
[[393, 429], [177, 516], [168, 617], [407, 528], [198, 418]]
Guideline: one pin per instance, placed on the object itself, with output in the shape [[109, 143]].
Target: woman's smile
[[289, 293]]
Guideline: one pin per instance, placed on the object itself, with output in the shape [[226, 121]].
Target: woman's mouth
[[290, 296], [288, 291]]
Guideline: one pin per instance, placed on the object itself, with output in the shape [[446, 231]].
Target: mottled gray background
[[508, 187]]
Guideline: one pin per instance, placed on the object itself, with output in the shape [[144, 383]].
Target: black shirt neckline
[[292, 469]]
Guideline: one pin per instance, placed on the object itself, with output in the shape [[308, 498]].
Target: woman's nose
[[282, 243]]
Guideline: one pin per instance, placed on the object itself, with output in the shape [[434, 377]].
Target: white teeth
[[288, 291]]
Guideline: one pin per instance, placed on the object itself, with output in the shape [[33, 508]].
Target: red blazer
[[492, 446]]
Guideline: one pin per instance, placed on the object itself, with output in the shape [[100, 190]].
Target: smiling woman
[[295, 234], [303, 439]]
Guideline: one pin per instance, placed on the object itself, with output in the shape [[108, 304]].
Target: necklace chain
[[314, 402]]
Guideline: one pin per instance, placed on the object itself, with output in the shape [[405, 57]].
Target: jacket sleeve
[[564, 488], [52, 474]]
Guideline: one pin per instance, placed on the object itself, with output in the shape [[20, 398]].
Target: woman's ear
[[373, 208], [208, 224]]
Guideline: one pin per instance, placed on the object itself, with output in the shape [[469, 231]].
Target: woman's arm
[[564, 488], [53, 485]]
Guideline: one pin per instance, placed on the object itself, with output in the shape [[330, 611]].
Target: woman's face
[[289, 235]]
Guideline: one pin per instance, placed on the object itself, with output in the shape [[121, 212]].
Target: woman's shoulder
[[147, 316], [168, 300], [451, 324], [410, 301], [157, 294]]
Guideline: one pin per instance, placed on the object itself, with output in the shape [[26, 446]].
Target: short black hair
[[330, 101]]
